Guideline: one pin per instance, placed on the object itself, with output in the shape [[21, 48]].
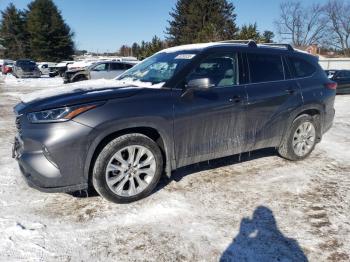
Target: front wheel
[[128, 168], [300, 141]]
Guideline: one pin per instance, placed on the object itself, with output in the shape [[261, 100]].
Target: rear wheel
[[300, 141], [128, 168]]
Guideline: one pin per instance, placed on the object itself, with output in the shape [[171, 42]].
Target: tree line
[[198, 21], [38, 32]]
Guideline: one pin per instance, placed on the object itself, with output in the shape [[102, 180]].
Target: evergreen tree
[[201, 21], [13, 34], [248, 32], [50, 38], [267, 36], [135, 49]]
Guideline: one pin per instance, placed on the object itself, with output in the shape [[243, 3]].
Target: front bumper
[[51, 157]]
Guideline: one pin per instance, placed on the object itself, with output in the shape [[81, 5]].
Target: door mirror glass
[[200, 83]]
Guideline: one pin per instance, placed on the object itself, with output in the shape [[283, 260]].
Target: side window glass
[[220, 69], [101, 67], [344, 74], [265, 68], [302, 68], [116, 66], [128, 66]]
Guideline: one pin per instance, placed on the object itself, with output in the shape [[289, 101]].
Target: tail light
[[7, 69], [331, 85]]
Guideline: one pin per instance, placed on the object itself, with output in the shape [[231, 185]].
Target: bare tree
[[301, 25], [338, 16]]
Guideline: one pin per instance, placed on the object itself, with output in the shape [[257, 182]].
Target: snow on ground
[[263, 208]]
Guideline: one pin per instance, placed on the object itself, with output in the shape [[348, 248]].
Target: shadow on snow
[[259, 239]]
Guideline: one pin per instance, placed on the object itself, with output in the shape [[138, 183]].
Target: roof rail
[[250, 43], [287, 46]]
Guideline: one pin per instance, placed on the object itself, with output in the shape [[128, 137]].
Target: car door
[[343, 80], [272, 95], [99, 71], [210, 123], [115, 70]]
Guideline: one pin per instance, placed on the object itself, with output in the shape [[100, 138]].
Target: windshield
[[158, 69]]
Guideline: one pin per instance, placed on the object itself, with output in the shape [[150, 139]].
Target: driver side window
[[220, 69]]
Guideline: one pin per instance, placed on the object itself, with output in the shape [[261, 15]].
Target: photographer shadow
[[259, 239]]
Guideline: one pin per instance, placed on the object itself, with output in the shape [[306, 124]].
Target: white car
[[45, 67]]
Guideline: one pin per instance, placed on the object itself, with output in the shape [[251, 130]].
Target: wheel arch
[[79, 75], [314, 110], [151, 132]]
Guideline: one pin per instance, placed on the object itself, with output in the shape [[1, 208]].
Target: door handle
[[290, 91], [236, 99]]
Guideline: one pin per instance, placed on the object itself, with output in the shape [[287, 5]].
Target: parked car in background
[[6, 66], [103, 69], [181, 106], [60, 68], [25, 68], [46, 67], [342, 78]]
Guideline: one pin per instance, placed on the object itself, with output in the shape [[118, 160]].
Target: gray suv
[[25, 68], [181, 106]]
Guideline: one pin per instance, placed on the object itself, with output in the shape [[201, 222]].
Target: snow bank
[[10, 80]]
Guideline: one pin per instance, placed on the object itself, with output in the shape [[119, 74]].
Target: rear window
[[265, 68], [25, 63], [301, 68]]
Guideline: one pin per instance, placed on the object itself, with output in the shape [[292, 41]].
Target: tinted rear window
[[25, 63], [264, 68], [301, 68]]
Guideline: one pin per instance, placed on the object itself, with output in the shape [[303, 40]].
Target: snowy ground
[[261, 209]]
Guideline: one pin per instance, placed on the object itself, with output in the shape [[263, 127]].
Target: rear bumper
[[343, 90]]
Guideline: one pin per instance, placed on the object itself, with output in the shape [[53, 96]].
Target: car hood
[[76, 93], [76, 70]]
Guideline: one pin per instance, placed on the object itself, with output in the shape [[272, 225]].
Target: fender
[[79, 74], [310, 106], [101, 132]]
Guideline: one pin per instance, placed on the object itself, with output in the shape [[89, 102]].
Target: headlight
[[59, 114]]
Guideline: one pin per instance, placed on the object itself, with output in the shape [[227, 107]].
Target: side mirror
[[199, 83]]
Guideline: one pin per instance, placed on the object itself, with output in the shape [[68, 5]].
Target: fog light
[[48, 156]]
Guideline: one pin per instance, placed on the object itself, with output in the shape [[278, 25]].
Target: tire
[[122, 191], [290, 145]]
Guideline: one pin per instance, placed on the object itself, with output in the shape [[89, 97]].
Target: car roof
[[247, 45], [114, 62]]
